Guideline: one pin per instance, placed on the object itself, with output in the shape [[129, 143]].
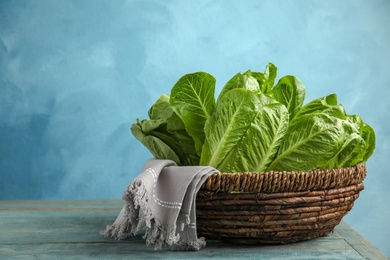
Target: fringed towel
[[162, 198]]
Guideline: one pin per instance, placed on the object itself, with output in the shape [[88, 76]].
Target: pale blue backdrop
[[74, 75]]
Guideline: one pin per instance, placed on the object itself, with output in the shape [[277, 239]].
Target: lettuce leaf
[[164, 134], [322, 135], [176, 127], [328, 105], [192, 99], [290, 92], [253, 126], [244, 132], [158, 147], [268, 79], [368, 135], [309, 143], [255, 81], [239, 80]]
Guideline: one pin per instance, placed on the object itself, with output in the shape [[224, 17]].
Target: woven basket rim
[[285, 181]]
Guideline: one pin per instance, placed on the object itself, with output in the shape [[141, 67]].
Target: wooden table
[[70, 230]]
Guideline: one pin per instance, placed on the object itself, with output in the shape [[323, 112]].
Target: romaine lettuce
[[244, 132], [291, 93], [192, 99], [253, 126]]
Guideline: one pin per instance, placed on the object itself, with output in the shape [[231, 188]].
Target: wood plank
[[136, 249], [54, 225], [70, 229], [359, 243], [60, 204]]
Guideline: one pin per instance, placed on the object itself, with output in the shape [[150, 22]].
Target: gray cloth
[[162, 198]]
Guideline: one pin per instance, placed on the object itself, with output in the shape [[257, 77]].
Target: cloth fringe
[[162, 199], [136, 214]]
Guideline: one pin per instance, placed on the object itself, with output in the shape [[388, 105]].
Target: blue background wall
[[74, 75]]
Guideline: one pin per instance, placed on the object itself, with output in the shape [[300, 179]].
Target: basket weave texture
[[276, 207]]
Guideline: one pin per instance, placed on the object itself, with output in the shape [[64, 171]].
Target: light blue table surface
[[70, 230]]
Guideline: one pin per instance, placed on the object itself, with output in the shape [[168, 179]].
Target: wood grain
[[70, 230]]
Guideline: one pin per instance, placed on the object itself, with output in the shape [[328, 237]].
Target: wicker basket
[[276, 207]]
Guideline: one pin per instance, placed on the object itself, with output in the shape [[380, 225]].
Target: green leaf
[[259, 78], [260, 143], [327, 105], [268, 79], [176, 127], [244, 131], [255, 81], [166, 130], [239, 80], [158, 148], [148, 126], [159, 113], [225, 128], [309, 143], [192, 99], [254, 126], [171, 140], [368, 135], [161, 109], [322, 135], [290, 92], [350, 152]]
